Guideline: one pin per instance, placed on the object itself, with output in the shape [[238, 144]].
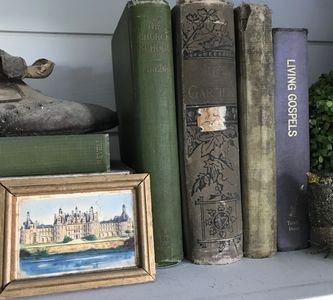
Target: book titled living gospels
[[292, 136]]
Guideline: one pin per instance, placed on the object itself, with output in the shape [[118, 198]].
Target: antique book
[[208, 130], [144, 88], [56, 154], [257, 130], [292, 136]]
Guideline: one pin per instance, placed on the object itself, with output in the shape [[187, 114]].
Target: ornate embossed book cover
[[145, 98], [208, 130], [257, 128], [292, 136]]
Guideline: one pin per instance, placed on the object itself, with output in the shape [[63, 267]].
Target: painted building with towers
[[75, 225]]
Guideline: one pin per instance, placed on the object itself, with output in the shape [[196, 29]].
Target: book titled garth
[[208, 130], [292, 136], [57, 154]]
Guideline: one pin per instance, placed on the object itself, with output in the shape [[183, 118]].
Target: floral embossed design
[[237, 243], [204, 31], [220, 221], [214, 149]]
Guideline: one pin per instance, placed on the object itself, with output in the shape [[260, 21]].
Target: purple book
[[292, 136]]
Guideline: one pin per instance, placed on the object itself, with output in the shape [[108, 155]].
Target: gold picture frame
[[32, 251]]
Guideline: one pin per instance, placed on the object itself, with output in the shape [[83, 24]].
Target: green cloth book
[[57, 154], [145, 98]]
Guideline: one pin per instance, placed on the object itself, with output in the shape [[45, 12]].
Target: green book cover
[[145, 98], [58, 154]]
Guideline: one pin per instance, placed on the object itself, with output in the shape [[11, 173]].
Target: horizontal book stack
[[57, 154]]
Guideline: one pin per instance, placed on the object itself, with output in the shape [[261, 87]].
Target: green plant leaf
[[321, 118], [327, 126]]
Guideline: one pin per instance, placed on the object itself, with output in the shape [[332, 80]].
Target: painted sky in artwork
[[107, 204]]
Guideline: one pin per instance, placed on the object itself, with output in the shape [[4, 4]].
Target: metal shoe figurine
[[26, 111]]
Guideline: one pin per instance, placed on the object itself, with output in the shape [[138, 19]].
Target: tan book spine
[[257, 137]]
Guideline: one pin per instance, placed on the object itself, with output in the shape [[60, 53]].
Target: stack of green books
[[57, 154]]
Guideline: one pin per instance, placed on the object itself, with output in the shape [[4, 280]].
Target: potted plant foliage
[[320, 179]]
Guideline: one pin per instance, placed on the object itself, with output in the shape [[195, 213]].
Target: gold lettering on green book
[[99, 152], [153, 33]]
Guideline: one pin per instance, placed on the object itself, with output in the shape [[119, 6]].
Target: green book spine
[[257, 128], [50, 155], [144, 86]]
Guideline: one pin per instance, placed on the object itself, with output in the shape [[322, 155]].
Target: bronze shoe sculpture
[[26, 111]]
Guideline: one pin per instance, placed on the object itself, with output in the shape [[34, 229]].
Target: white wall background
[[77, 36]]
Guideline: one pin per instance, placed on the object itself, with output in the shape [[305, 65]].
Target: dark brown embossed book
[[208, 130], [257, 130]]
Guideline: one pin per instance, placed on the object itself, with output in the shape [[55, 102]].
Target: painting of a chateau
[[75, 225], [64, 234]]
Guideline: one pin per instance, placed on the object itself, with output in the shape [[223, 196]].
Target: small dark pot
[[320, 200]]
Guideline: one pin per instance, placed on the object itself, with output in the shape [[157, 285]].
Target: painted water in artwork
[[72, 233]]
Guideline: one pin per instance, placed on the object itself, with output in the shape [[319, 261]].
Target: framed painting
[[66, 233]]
